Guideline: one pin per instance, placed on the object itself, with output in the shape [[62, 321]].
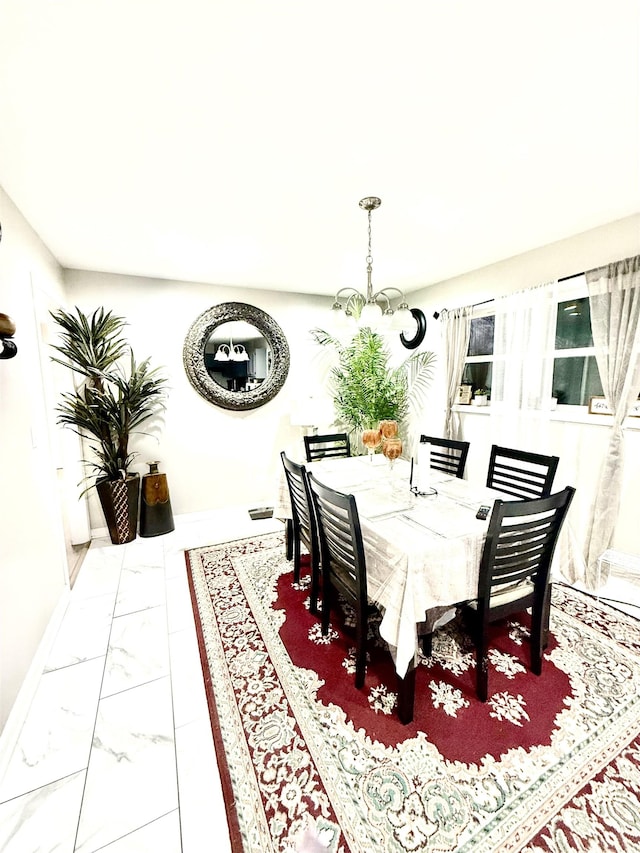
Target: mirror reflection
[[237, 356]]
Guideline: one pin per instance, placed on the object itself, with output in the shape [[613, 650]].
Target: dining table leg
[[406, 695]]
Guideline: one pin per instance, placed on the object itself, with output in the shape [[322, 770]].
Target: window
[[575, 371], [478, 368]]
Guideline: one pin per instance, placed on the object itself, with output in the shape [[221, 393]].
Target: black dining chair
[[303, 529], [342, 563], [521, 474], [447, 455], [514, 574], [331, 445]]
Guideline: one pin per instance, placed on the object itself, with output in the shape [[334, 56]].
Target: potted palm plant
[[366, 389], [115, 396]]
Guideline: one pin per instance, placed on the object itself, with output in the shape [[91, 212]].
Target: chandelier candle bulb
[[424, 467]]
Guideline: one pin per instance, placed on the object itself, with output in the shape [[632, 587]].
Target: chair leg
[[326, 605], [482, 664], [537, 640], [315, 583], [546, 617], [296, 560], [361, 650], [482, 677], [288, 538], [426, 641]]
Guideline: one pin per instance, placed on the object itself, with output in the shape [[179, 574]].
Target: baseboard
[[18, 714]]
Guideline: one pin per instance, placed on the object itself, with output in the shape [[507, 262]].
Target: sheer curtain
[[523, 348], [457, 328], [521, 389], [614, 302]]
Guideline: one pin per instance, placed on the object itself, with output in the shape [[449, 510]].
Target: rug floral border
[[556, 773]]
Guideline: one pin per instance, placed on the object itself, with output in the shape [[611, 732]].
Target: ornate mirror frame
[[194, 349]]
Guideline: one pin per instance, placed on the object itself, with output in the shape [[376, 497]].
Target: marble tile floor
[[116, 753]]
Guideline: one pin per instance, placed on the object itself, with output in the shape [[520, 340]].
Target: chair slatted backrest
[[521, 474], [520, 543], [340, 535], [447, 455], [330, 445], [301, 507]]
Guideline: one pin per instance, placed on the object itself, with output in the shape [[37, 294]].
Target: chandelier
[[373, 309]]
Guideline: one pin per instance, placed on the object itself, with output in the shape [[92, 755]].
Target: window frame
[[486, 309], [572, 287]]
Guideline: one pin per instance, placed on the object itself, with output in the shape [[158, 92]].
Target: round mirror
[[236, 356]]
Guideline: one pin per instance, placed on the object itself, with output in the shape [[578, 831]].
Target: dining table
[[422, 549]]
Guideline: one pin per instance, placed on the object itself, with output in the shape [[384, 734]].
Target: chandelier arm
[[353, 300], [381, 295], [384, 291], [351, 290]]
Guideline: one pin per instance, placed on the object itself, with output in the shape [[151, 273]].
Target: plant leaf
[[365, 389]]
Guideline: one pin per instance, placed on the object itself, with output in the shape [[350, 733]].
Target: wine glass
[[392, 448], [371, 439], [388, 429]]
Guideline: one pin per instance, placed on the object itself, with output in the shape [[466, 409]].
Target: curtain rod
[[436, 314]]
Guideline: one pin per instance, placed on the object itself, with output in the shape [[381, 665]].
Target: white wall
[[33, 567], [580, 445], [576, 254], [212, 457]]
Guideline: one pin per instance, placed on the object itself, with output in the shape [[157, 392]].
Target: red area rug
[[309, 763]]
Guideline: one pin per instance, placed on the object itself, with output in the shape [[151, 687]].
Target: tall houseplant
[[366, 389], [115, 396]]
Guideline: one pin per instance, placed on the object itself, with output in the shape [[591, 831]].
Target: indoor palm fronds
[[366, 389], [116, 394], [90, 345]]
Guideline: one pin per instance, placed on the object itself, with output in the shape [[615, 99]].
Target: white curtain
[[523, 348], [457, 329], [521, 388], [614, 302]]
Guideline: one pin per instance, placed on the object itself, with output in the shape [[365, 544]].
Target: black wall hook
[[7, 331], [416, 340], [9, 348]]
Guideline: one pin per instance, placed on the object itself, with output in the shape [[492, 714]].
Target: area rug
[[309, 763]]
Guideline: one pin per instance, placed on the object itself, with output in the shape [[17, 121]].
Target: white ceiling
[[230, 142]]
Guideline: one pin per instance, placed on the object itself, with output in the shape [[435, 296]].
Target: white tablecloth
[[421, 552]]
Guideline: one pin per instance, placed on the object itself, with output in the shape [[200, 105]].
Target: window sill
[[476, 410], [563, 414]]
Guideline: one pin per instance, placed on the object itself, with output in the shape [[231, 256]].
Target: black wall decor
[[416, 340]]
